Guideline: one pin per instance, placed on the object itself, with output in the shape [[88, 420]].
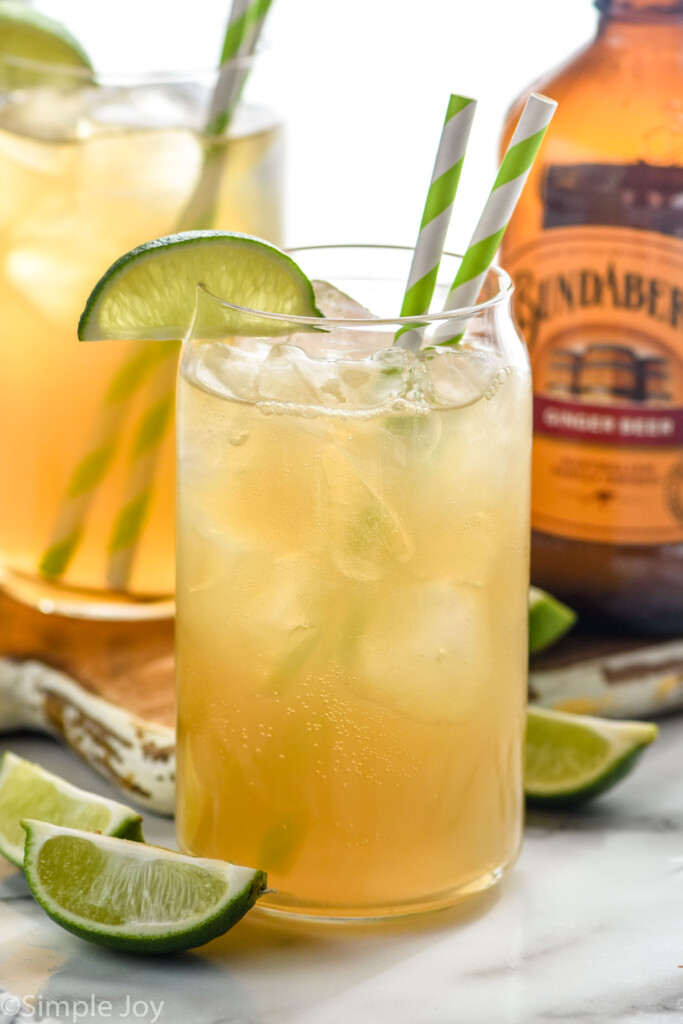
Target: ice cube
[[31, 170], [288, 375], [159, 106], [461, 375], [337, 305], [366, 535], [278, 608], [227, 370], [46, 113], [415, 436], [427, 652]]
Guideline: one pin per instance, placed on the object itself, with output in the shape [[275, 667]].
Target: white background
[[362, 86]]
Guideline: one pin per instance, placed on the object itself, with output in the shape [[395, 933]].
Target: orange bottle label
[[602, 312]]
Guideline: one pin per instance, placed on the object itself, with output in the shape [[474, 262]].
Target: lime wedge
[[549, 619], [151, 291], [27, 790], [27, 35], [134, 897], [572, 758]]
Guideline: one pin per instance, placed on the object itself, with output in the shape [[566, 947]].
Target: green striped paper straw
[[140, 483], [507, 188], [436, 216], [93, 466], [241, 38]]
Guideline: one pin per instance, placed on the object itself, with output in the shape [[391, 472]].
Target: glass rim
[[114, 75], [504, 293]]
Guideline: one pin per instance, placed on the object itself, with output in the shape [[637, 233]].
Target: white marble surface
[[587, 928]]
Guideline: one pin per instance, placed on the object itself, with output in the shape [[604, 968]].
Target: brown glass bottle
[[595, 248]]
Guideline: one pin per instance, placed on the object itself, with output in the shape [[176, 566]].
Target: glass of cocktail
[[93, 163], [353, 522]]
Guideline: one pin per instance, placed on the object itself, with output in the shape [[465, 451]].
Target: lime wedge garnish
[[151, 291], [572, 758], [549, 619], [27, 35], [28, 791], [134, 897]]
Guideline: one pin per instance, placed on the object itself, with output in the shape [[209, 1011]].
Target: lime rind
[[549, 620], [150, 292], [570, 759], [61, 877], [29, 38], [26, 789]]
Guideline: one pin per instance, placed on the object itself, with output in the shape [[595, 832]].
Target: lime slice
[[572, 758], [151, 291], [549, 619], [134, 897], [27, 35], [27, 790]]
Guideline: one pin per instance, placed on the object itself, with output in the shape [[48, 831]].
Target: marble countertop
[[588, 927]]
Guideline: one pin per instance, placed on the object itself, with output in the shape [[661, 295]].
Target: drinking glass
[[353, 544], [93, 164]]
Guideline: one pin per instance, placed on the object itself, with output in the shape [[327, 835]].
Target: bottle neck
[[649, 12]]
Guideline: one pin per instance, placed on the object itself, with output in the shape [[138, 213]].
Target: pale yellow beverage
[[87, 173], [352, 604]]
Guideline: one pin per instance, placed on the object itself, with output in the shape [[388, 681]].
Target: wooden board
[[130, 664]]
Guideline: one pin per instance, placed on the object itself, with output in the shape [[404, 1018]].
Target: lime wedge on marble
[[549, 619], [134, 897], [151, 291], [27, 790], [573, 758]]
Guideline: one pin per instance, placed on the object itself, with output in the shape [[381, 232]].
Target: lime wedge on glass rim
[[27, 790], [150, 292], [28, 36], [573, 758], [134, 897]]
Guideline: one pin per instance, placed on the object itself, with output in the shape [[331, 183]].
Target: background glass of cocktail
[[92, 164], [352, 596]]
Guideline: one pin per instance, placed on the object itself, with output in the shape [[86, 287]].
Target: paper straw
[[91, 469], [242, 33], [241, 38], [507, 188], [144, 456], [436, 216]]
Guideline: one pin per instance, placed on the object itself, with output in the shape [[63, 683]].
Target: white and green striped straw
[[507, 188], [140, 485], [436, 216], [93, 466], [241, 38]]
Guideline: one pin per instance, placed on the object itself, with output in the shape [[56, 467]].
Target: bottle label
[[601, 309]]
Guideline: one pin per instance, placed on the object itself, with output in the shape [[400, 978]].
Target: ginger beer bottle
[[596, 252]]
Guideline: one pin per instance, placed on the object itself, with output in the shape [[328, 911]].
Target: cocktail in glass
[[353, 525], [90, 167]]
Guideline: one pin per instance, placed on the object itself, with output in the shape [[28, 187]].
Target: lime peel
[[573, 758], [131, 896], [151, 291], [549, 620], [27, 789], [29, 37]]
